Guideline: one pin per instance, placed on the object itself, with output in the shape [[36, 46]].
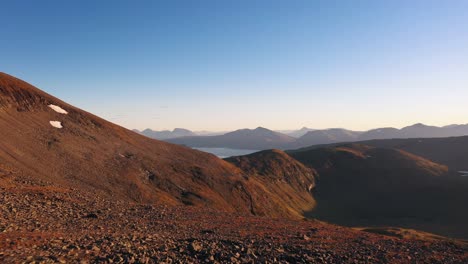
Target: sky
[[220, 65]]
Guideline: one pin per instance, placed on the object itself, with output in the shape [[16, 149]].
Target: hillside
[[47, 139], [281, 175], [360, 185]]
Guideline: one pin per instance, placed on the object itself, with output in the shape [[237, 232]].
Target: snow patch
[[58, 109], [56, 124]]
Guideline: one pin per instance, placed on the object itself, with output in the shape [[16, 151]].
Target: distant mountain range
[[296, 133], [255, 139], [166, 134], [262, 138], [416, 131], [176, 133]]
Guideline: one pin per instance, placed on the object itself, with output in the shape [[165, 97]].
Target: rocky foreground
[[45, 224]]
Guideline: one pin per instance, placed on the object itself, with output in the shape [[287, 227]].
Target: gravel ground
[[45, 224]]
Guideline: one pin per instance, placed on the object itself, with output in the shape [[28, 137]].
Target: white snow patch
[[58, 109], [56, 124]]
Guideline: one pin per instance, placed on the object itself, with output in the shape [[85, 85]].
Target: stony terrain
[[45, 224]]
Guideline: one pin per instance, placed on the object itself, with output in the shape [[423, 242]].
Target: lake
[[227, 152]]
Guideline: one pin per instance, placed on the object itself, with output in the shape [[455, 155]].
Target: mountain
[[255, 139], [297, 133], [380, 133], [166, 134], [45, 139], [326, 136], [415, 131], [361, 185]]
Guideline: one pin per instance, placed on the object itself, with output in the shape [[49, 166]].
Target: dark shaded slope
[[361, 185], [452, 151]]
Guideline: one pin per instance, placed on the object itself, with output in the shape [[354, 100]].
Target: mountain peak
[[181, 130], [418, 125], [261, 129]]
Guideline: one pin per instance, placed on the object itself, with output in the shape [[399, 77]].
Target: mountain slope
[[361, 185], [281, 175], [89, 153], [259, 138]]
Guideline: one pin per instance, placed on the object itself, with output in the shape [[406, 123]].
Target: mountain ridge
[[262, 138]]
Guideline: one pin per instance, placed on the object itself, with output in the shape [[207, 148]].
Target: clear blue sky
[[221, 65]]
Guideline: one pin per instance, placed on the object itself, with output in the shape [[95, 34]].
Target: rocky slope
[[43, 223]]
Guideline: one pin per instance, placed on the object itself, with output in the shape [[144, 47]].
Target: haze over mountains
[[262, 138]]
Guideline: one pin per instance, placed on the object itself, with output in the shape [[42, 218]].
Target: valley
[[74, 186]]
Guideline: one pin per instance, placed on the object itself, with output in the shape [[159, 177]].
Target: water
[[227, 152]]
